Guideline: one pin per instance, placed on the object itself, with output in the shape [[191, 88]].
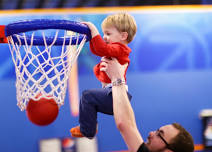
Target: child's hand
[[92, 27]]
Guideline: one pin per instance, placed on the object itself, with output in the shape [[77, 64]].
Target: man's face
[[157, 140]]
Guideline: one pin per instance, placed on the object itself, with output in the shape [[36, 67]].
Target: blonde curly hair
[[123, 22]]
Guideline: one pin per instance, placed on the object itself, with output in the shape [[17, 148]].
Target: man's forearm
[[123, 112], [125, 119]]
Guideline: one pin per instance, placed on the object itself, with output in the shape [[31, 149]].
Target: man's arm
[[123, 112], [125, 119]]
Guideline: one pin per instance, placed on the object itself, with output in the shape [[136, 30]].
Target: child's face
[[111, 34]]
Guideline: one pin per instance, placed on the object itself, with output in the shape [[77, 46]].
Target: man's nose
[[151, 133]]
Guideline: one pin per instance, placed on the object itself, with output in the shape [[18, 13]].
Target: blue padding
[[42, 24], [38, 40]]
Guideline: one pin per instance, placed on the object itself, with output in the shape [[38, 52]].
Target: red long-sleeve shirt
[[117, 50]]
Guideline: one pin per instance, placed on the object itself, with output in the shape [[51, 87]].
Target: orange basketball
[[42, 112]]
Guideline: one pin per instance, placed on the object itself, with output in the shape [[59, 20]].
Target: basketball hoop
[[42, 70]]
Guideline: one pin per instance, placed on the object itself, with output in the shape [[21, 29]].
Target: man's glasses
[[158, 133]]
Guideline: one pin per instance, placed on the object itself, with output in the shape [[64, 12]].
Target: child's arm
[[94, 32], [100, 48], [92, 27]]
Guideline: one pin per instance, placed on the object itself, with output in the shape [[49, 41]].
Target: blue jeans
[[91, 102]]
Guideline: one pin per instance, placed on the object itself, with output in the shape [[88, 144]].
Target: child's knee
[[87, 95]]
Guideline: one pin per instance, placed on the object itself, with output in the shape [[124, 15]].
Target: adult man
[[168, 138]]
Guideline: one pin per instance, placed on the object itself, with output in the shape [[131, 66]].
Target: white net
[[43, 71]]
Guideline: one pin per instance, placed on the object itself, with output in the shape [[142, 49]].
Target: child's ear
[[124, 35]]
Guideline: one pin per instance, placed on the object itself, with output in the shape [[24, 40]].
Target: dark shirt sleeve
[[143, 148]]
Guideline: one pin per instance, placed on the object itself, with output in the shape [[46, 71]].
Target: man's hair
[[183, 142], [123, 22]]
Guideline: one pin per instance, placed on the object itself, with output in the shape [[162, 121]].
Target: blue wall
[[169, 77]]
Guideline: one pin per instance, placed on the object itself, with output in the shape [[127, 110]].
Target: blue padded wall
[[169, 77]]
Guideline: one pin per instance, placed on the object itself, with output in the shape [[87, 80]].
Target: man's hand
[[92, 27], [113, 68]]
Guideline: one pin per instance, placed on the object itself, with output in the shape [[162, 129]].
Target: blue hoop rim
[[43, 24]]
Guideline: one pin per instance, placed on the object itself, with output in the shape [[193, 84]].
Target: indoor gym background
[[169, 77]]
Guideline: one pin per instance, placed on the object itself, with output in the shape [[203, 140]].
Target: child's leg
[[93, 101], [106, 106], [90, 103]]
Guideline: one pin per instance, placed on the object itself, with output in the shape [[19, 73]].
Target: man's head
[[123, 22], [170, 138]]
